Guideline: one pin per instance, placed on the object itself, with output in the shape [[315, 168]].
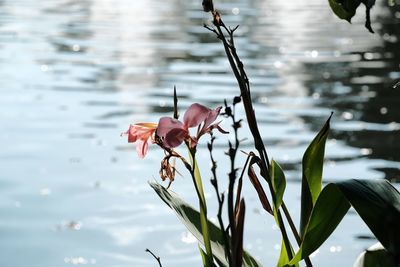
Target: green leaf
[[376, 201], [344, 9], [278, 182], [311, 184], [375, 256], [191, 219], [205, 258], [329, 210], [283, 257], [378, 204]]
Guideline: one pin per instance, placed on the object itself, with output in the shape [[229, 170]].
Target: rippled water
[[74, 74]]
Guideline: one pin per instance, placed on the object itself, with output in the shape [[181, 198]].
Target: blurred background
[[75, 73]]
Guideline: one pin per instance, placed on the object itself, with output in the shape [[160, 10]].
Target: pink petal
[[212, 116], [140, 131], [195, 115], [132, 134], [142, 147], [175, 137], [166, 124]]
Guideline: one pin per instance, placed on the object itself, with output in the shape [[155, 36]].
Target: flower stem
[[196, 177], [244, 85]]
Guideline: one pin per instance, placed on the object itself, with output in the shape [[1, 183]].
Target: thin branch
[[176, 113], [233, 149], [156, 257], [241, 77], [239, 189], [211, 29], [220, 198]]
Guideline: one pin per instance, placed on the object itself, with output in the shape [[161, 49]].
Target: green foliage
[[203, 212], [283, 257], [278, 182], [376, 201], [191, 219], [205, 258], [378, 204], [311, 185], [329, 210], [346, 9]]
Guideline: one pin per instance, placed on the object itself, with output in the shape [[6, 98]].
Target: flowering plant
[[376, 201]]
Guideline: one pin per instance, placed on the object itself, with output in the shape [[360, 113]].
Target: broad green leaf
[[191, 219], [378, 204], [311, 184], [375, 256], [278, 182], [344, 9], [376, 201], [329, 210]]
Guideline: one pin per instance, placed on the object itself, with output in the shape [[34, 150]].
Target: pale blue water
[[74, 74]]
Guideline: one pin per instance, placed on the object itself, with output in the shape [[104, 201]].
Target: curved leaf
[[257, 185], [329, 210], [283, 257], [378, 204], [278, 182], [344, 9], [376, 201], [191, 219], [311, 183]]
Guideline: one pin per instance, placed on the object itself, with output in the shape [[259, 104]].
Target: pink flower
[[140, 133], [173, 132]]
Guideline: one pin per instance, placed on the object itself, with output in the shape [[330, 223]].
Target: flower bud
[[236, 100]]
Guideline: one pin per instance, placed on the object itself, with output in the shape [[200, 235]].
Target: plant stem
[[195, 173], [155, 257], [220, 198], [244, 85], [294, 231]]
